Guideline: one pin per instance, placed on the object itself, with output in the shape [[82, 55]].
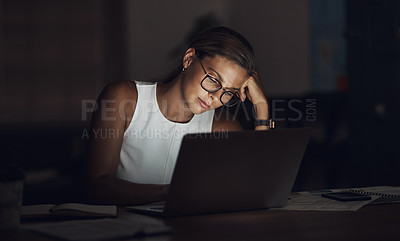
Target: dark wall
[[374, 74], [54, 55]]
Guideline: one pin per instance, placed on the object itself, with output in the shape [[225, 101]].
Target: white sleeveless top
[[151, 142]]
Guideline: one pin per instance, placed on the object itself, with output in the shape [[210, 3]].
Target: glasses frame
[[207, 75]]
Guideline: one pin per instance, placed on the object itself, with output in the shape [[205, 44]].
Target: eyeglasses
[[212, 85]]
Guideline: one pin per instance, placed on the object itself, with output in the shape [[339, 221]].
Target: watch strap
[[270, 123]]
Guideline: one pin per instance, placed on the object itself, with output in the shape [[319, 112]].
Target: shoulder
[[119, 99], [225, 121], [119, 91]]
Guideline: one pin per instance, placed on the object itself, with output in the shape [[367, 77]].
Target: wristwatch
[[270, 123]]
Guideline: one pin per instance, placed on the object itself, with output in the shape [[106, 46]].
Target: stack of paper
[[314, 202]]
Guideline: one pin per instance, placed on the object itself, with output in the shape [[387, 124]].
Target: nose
[[215, 95]]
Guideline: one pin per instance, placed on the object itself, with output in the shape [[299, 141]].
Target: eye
[[230, 94], [233, 94], [213, 80], [213, 83]]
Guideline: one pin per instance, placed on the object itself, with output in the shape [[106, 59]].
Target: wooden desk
[[379, 222]]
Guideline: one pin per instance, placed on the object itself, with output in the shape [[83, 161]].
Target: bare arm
[[254, 90], [113, 116]]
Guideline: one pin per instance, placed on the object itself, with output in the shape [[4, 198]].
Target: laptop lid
[[231, 171]]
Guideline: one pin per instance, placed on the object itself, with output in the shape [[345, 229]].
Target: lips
[[203, 103]]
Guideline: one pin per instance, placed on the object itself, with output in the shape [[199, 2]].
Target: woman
[[148, 121]]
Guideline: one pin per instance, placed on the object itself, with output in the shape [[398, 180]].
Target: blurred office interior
[[333, 66]]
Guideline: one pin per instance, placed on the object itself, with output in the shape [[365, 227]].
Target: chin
[[198, 110]]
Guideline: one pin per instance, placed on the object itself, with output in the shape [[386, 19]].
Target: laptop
[[233, 171]]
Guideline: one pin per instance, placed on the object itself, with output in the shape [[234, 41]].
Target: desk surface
[[378, 222]]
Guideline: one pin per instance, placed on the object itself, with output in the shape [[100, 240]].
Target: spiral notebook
[[388, 194]]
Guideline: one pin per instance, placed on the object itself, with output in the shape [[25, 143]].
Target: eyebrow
[[219, 76]]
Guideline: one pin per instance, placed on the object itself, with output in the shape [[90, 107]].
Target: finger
[[243, 93]]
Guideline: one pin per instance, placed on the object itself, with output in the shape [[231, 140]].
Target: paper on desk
[[100, 229], [314, 202]]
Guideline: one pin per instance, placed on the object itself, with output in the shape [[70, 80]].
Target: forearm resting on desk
[[109, 189]]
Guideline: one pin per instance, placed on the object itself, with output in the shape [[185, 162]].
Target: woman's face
[[229, 74]]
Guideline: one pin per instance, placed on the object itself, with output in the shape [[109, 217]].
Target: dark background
[[333, 66]]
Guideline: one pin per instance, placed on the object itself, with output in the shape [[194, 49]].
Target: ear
[[189, 57]]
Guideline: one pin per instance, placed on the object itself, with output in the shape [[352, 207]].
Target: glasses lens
[[211, 84], [229, 98]]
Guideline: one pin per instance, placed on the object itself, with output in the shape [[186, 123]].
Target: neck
[[171, 101]]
